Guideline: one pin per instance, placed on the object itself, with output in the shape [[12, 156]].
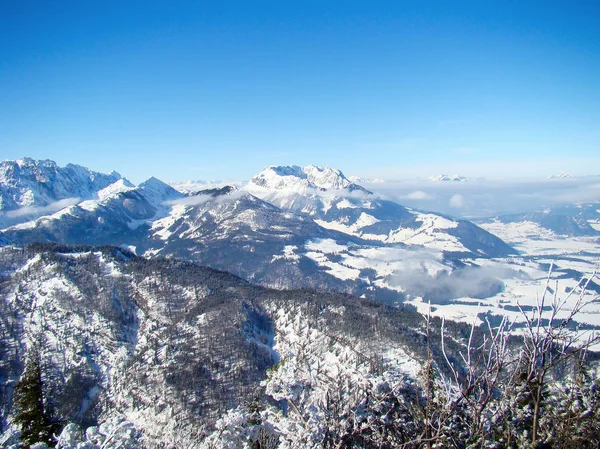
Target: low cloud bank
[[483, 198], [445, 286], [37, 211], [198, 200]]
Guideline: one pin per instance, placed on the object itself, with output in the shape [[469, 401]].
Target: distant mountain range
[[561, 175], [288, 227], [455, 178]]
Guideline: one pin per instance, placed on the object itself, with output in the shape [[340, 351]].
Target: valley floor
[[567, 262]]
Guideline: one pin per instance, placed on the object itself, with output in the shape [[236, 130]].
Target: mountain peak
[[293, 177], [326, 178], [153, 181], [121, 185], [157, 191]]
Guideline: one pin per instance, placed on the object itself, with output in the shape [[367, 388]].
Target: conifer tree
[[31, 416]]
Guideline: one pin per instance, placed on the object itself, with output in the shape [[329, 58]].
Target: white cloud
[[416, 195], [197, 200], [40, 210], [482, 198], [457, 201], [476, 168]]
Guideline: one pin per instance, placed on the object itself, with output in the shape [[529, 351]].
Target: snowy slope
[[122, 185], [238, 232]]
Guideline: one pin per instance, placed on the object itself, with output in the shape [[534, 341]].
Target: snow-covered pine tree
[[31, 416]]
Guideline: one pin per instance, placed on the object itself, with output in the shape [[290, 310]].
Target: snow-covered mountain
[[30, 189], [452, 178], [224, 228], [561, 175], [301, 179], [175, 354], [348, 208], [324, 232], [121, 214], [236, 231], [31, 183]]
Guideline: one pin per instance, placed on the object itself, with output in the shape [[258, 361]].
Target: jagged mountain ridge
[[323, 194], [28, 183]]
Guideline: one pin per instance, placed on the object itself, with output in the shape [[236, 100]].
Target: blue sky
[[205, 90]]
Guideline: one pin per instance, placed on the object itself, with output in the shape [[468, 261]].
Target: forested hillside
[[165, 353]]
